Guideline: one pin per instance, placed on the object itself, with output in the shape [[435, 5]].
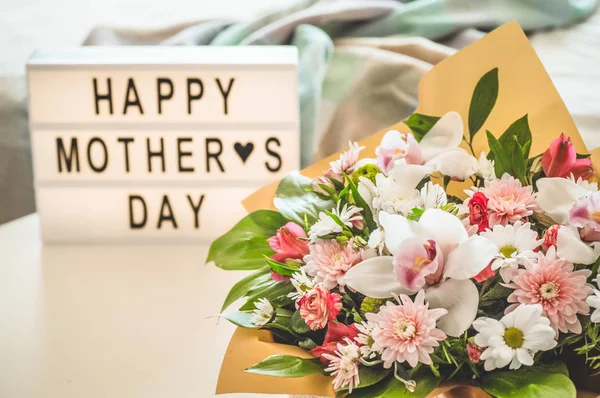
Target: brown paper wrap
[[524, 88]]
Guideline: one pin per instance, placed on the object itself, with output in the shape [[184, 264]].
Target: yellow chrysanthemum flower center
[[513, 338]]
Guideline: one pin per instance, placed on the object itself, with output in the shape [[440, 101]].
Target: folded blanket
[[350, 85]]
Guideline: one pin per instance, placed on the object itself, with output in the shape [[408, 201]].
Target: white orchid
[[434, 254], [396, 193], [439, 150], [556, 197]]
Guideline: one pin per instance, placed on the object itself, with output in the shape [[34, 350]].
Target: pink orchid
[[435, 254]]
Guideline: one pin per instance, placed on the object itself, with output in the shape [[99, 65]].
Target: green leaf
[[275, 292], [286, 366], [240, 318], [298, 324], [518, 132], [369, 376], [296, 202], [255, 280], [537, 381], [501, 158], [283, 269], [420, 124], [245, 245], [390, 387], [360, 202], [483, 100]]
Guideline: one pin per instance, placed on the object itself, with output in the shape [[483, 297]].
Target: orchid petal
[[408, 176], [454, 163], [397, 230], [460, 298], [446, 229], [470, 258], [570, 247], [375, 278], [556, 197], [446, 134]]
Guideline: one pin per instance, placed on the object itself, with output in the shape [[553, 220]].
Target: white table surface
[[108, 321]]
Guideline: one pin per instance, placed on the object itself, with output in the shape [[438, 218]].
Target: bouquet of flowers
[[429, 262]]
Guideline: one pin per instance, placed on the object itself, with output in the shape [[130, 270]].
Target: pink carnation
[[329, 261], [407, 332], [508, 200], [318, 306], [553, 284]]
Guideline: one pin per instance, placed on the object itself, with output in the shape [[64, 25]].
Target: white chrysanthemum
[[516, 244], [588, 186], [263, 312], [348, 160], [343, 365], [485, 168], [348, 215], [325, 225], [302, 283], [433, 196], [594, 301], [368, 347], [393, 197], [515, 338]]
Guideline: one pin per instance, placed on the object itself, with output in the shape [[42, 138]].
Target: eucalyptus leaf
[[296, 202], [276, 293], [286, 366], [298, 324], [255, 280], [240, 318], [420, 124], [390, 387], [245, 245], [537, 381], [483, 101]]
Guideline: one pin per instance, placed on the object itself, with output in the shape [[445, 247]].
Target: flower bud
[[323, 187], [474, 351], [550, 237]]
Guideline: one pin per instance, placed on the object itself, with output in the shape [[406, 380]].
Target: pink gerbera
[[508, 200], [329, 261], [407, 332], [553, 284]]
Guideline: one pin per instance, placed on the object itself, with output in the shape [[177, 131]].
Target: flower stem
[[401, 375]]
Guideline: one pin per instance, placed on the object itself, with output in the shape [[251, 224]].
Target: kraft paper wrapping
[[524, 88]]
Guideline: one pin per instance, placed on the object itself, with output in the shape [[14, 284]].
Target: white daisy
[[368, 347], [263, 313], [515, 338], [343, 365], [325, 225], [302, 283], [485, 168], [348, 160], [433, 196], [516, 244]]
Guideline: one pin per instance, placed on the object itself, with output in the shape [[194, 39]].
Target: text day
[[165, 90], [139, 217]]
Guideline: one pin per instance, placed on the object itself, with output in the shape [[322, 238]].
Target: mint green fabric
[[350, 87]]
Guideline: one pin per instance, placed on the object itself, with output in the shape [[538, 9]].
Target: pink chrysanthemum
[[407, 332], [329, 261], [553, 284], [508, 200]]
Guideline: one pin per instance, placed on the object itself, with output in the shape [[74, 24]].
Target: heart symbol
[[244, 151]]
